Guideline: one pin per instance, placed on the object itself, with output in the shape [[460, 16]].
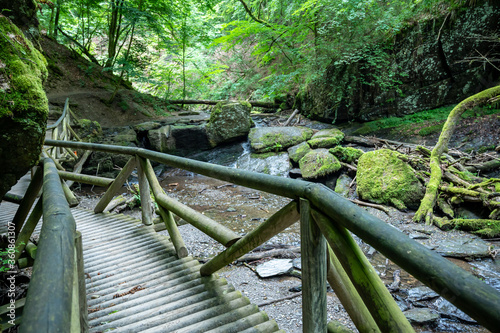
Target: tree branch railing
[[56, 300], [328, 250]]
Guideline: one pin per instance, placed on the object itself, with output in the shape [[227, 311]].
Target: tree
[[425, 211]]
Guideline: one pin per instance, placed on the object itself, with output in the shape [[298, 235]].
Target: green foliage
[[227, 50]]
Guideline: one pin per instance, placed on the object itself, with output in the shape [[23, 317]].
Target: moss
[[318, 163], [346, 154], [246, 103], [326, 138], [277, 139], [384, 178], [23, 104], [298, 151], [482, 227], [430, 130]]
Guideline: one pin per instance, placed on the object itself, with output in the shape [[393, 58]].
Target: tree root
[[425, 211], [483, 227]]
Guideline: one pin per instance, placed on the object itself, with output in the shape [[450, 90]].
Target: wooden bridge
[[97, 271]]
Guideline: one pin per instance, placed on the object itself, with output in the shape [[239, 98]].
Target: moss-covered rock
[[298, 151], [342, 185], [266, 139], [326, 138], [346, 154], [23, 104], [383, 177], [229, 122], [89, 130], [318, 163]]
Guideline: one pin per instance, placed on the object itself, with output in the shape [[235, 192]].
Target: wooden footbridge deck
[[102, 272], [136, 283]]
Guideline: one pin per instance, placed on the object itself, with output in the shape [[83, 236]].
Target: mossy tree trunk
[[425, 211]]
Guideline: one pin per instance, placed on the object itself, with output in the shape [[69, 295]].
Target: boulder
[[190, 137], [161, 140], [298, 151], [326, 138], [383, 177], [342, 185], [23, 107], [229, 122], [268, 139], [275, 164], [318, 163], [346, 154]]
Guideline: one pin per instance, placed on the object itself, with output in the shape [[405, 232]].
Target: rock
[[190, 137], [326, 138], [147, 126], [448, 310], [89, 130], [463, 247], [297, 263], [346, 154], [229, 122], [274, 267], [275, 164], [342, 185], [421, 293], [295, 173], [23, 107], [298, 151], [268, 139], [318, 163], [421, 316], [383, 177], [121, 136], [427, 81], [160, 139]]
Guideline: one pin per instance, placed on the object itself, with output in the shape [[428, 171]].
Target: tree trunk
[[424, 212], [209, 102]]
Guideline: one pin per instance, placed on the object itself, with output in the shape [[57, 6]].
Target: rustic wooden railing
[[328, 249], [56, 299]]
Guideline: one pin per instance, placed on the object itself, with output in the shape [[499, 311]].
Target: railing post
[[80, 278], [313, 249], [28, 200], [147, 216]]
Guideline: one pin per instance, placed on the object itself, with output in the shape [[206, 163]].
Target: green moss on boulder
[[267, 139], [383, 177], [298, 151], [23, 104], [318, 163], [228, 122], [346, 154], [326, 138]]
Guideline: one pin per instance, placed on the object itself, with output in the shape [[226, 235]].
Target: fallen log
[[260, 104]]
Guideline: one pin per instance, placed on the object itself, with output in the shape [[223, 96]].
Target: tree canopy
[[255, 49]]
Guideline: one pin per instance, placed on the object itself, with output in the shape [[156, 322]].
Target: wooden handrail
[[461, 288], [49, 300]]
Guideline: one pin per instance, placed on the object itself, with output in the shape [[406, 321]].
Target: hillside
[[90, 88]]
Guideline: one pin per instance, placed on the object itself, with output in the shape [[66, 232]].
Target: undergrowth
[[435, 118]]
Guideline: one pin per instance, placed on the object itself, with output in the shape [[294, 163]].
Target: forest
[[246, 49]]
